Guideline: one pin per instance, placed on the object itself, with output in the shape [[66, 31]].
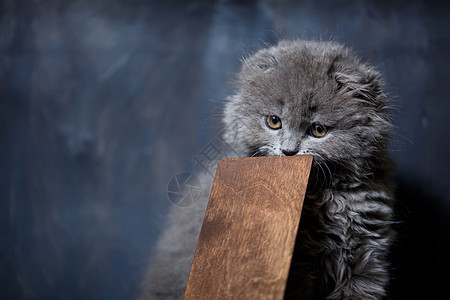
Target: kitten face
[[308, 98]]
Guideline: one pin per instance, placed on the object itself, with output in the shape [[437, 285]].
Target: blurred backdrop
[[103, 102]]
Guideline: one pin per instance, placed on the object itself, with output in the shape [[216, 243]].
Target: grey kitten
[[310, 98]]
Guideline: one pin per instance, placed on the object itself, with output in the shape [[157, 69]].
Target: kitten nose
[[289, 152]]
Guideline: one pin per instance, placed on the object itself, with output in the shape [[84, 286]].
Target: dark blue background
[[102, 102]]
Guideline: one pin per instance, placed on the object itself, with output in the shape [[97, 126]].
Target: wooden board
[[247, 239]]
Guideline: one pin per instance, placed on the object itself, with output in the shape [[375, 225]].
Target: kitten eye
[[273, 122], [318, 130]]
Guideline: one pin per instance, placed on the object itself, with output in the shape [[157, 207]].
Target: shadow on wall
[[420, 258]]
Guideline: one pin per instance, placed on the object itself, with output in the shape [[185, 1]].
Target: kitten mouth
[[260, 151]]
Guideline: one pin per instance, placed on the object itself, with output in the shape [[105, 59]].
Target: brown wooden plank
[[247, 239]]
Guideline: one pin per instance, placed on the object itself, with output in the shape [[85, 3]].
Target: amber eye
[[318, 130], [273, 122]]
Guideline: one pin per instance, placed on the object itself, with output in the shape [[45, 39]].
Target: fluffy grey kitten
[[308, 98]]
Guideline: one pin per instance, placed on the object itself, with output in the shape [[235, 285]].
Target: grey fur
[[345, 231], [171, 263]]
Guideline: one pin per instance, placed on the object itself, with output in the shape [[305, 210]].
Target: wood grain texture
[[247, 239]]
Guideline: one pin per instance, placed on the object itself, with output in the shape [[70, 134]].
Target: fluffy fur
[[345, 231]]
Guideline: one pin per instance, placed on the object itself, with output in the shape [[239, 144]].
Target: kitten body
[[314, 98]]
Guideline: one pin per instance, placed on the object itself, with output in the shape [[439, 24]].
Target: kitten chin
[[307, 97]]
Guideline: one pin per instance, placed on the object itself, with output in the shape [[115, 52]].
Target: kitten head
[[310, 98]]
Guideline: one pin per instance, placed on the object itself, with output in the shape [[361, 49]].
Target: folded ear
[[263, 61], [361, 80]]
